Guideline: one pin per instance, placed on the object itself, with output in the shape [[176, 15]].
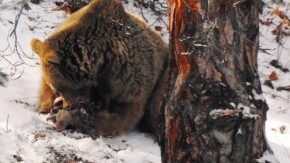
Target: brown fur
[[102, 53], [64, 118], [77, 118]]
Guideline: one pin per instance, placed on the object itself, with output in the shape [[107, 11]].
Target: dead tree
[[215, 110]]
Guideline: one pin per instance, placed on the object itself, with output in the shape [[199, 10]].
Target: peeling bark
[[214, 112]]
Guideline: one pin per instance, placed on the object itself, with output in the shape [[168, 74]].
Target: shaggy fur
[[102, 53]]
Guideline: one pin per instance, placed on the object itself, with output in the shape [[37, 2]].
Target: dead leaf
[[273, 76], [282, 129], [68, 10], [284, 21], [276, 12]]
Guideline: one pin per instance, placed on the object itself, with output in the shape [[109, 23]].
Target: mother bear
[[103, 53]]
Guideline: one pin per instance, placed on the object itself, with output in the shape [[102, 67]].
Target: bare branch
[[17, 19], [15, 48]]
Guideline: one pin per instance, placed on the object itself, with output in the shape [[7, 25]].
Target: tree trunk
[[215, 111]]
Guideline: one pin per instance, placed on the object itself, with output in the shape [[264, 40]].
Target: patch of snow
[[258, 96], [246, 111]]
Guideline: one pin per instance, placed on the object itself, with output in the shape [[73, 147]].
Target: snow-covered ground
[[26, 135], [278, 116]]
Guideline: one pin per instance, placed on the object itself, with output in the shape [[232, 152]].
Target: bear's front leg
[[47, 97], [110, 124]]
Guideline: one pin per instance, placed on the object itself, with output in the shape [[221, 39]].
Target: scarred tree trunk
[[215, 111]]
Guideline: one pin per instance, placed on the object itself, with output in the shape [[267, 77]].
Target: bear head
[[74, 94]]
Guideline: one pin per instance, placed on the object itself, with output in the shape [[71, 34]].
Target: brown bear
[[103, 53]]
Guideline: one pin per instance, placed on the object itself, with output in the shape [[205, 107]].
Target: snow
[[26, 134], [278, 101]]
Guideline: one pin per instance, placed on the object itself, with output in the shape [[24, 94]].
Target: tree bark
[[215, 111]]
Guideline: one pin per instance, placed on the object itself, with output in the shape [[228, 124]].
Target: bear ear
[[36, 46], [52, 58]]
